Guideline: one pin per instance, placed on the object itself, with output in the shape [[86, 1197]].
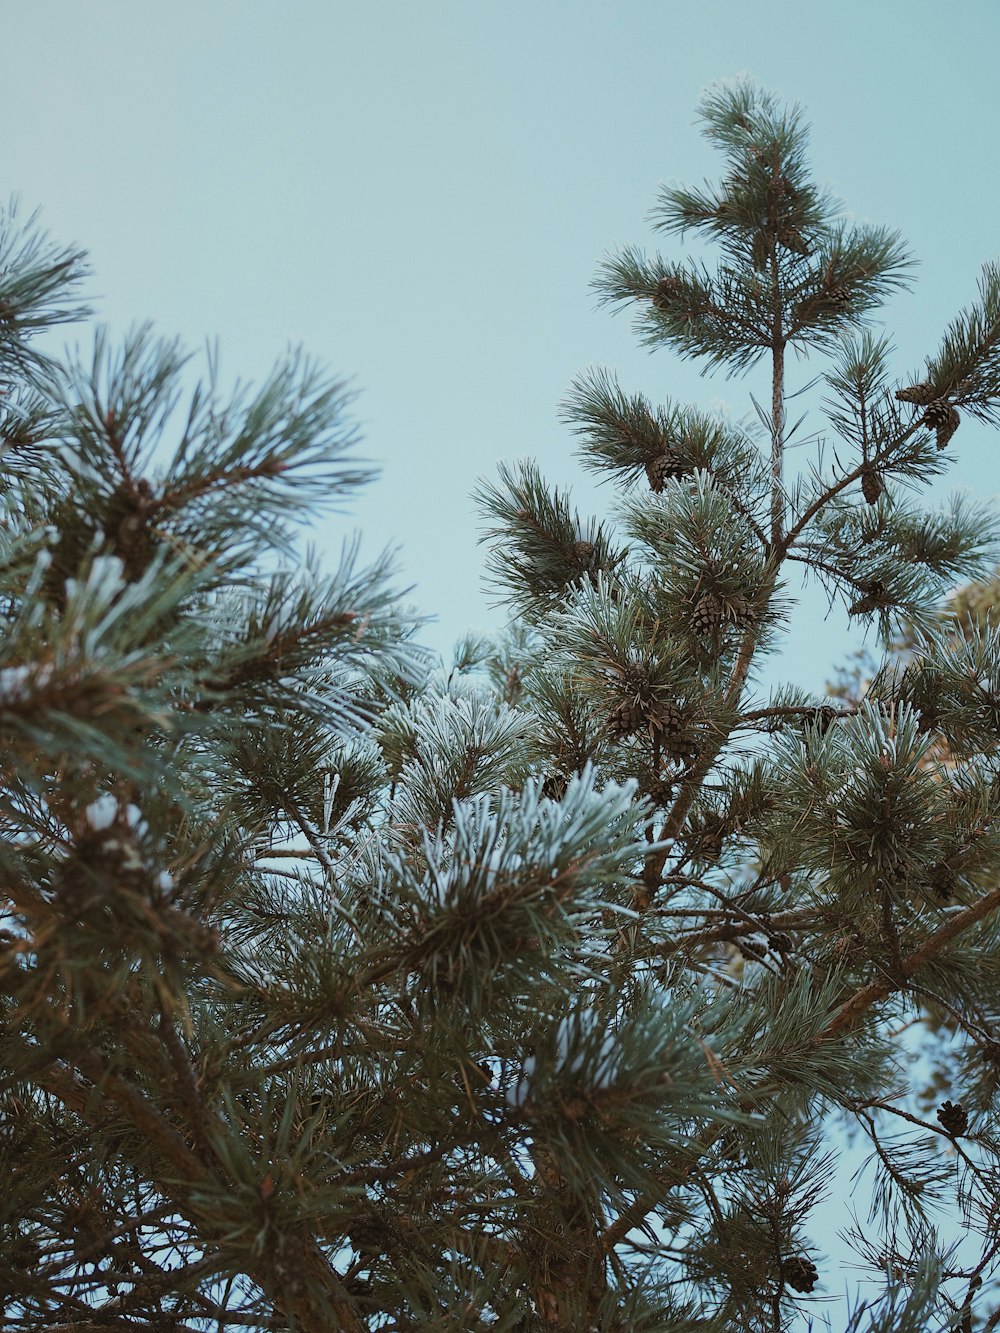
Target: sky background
[[420, 194]]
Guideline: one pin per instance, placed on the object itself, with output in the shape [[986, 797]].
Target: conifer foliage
[[818, 878], [343, 991]]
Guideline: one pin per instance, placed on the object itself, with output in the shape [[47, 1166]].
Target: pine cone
[[792, 239], [927, 718], [661, 792], [669, 723], [583, 553], [954, 1118], [942, 879], [554, 786], [636, 677], [990, 1051], [799, 1273], [740, 609], [663, 468], [711, 837], [626, 719], [921, 394], [780, 942], [874, 597], [707, 616], [825, 300], [666, 292], [943, 419], [871, 485]]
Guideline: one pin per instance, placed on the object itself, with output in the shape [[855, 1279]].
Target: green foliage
[[805, 859], [344, 990]]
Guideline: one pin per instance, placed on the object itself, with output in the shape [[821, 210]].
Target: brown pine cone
[[954, 1118], [792, 239], [554, 786], [663, 468], [740, 609], [668, 722], [626, 719], [711, 837], [943, 419], [662, 791], [668, 717], [799, 1273], [874, 597], [871, 485], [583, 553], [825, 301], [921, 394], [942, 879], [707, 616]]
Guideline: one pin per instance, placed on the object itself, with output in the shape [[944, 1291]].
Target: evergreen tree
[[344, 992]]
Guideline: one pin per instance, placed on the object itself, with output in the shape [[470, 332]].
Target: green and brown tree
[[341, 990]]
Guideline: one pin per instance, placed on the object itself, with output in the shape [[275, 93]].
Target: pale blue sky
[[420, 193]]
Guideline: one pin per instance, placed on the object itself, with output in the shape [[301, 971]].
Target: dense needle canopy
[[343, 989]]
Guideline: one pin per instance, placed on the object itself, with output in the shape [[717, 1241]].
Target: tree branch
[[849, 1012]]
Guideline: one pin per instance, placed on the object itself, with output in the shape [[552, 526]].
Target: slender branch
[[300, 853], [315, 841], [849, 1012], [640, 1207], [745, 513], [793, 711], [655, 861], [106, 1323], [777, 409], [811, 561], [215, 480], [848, 479]]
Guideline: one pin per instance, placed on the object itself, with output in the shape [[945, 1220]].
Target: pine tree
[[342, 991], [817, 874]]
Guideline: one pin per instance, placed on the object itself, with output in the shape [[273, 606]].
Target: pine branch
[[851, 1010], [691, 786], [311, 1301]]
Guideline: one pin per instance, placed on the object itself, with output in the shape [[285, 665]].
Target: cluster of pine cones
[[710, 614], [665, 720], [940, 416]]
